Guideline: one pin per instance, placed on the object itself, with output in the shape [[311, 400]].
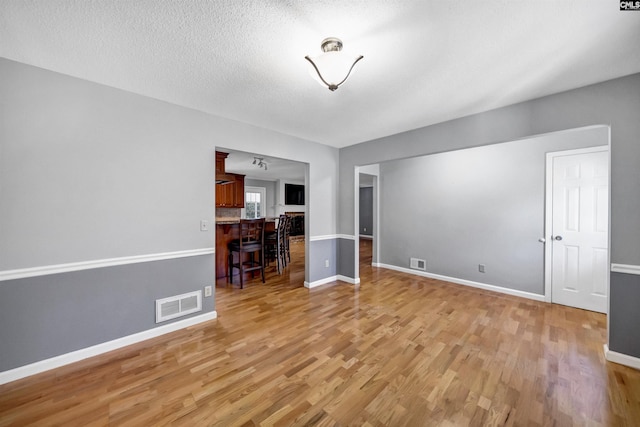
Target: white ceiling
[[242, 163], [425, 61]]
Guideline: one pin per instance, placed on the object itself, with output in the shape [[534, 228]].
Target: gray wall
[[325, 250], [366, 211], [97, 172], [42, 317], [270, 190], [615, 102], [481, 205], [624, 297], [88, 172]]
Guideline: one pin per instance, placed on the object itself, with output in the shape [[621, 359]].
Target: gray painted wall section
[[346, 257], [92, 172], [325, 249], [89, 172], [47, 316], [615, 103], [481, 205], [624, 320], [366, 211]]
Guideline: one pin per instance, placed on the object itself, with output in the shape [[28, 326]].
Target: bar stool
[[251, 242], [275, 244]]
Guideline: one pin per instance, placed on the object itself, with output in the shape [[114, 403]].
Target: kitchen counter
[[228, 229]]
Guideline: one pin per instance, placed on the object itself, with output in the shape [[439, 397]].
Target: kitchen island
[[226, 231]]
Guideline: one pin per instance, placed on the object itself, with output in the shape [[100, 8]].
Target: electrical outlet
[[481, 268], [207, 291], [365, 229], [204, 225], [326, 263]]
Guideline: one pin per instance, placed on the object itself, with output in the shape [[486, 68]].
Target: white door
[[579, 230]]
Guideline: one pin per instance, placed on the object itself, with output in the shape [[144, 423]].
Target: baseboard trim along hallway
[[487, 287]]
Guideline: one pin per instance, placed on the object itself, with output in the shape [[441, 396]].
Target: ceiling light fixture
[[259, 161], [332, 67]]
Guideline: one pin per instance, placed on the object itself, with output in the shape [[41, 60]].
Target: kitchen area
[[248, 187]]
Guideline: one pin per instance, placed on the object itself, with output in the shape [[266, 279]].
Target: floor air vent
[[177, 306], [418, 264]]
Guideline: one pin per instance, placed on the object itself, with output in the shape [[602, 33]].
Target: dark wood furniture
[[227, 231], [229, 186], [220, 161], [297, 223], [231, 194], [276, 245], [251, 242], [287, 239]]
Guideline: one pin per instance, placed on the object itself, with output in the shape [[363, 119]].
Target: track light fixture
[[259, 161]]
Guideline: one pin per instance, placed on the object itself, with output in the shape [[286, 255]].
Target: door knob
[[558, 238]]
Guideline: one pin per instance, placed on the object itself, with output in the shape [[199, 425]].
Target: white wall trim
[[346, 236], [620, 358], [320, 282], [325, 237], [366, 237], [625, 268], [89, 265], [465, 282], [351, 280], [85, 353], [336, 278], [332, 237]]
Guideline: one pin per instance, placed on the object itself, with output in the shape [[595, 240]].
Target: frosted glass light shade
[[332, 67]]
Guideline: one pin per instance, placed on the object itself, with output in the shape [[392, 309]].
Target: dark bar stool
[[287, 239], [275, 244], [251, 242]]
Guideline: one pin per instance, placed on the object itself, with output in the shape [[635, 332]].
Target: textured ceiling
[[424, 62]]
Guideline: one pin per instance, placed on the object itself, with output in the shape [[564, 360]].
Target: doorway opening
[[366, 221], [264, 197]]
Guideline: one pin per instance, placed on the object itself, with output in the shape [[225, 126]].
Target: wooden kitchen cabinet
[[220, 160], [229, 186], [239, 191], [231, 195]]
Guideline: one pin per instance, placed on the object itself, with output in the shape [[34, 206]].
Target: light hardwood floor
[[398, 350]]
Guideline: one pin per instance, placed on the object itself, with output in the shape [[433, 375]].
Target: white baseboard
[[320, 282], [85, 353], [351, 280], [471, 283], [330, 279], [620, 358]]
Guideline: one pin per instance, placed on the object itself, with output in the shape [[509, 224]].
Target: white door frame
[[548, 214], [375, 259]]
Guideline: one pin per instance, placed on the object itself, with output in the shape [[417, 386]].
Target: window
[[254, 202]]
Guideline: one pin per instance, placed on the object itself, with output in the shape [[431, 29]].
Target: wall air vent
[[178, 306], [418, 264]]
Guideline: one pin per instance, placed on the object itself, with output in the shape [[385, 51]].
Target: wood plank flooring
[[398, 350]]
